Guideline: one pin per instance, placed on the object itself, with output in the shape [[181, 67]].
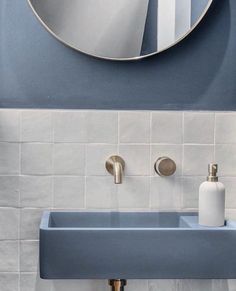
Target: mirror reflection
[[120, 29]]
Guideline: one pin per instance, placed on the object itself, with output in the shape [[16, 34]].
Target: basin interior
[[115, 219]]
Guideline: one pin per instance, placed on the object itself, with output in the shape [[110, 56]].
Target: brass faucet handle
[[115, 165], [165, 167]]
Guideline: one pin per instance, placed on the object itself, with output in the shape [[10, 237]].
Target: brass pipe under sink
[[117, 284]]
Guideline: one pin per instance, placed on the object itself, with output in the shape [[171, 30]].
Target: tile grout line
[[52, 116], [85, 176], [53, 157], [118, 132], [150, 158], [214, 138], [182, 162], [19, 223], [121, 143], [114, 201], [118, 150]]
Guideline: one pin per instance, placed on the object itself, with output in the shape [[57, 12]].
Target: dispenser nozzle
[[212, 169]]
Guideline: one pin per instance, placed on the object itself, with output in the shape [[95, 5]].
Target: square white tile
[[230, 193], [137, 285], [166, 193], [70, 126], [32, 282], [231, 285], [9, 159], [167, 127], [225, 128], [80, 285], [36, 126], [100, 192], [69, 192], [197, 158], [97, 155], [134, 193], [225, 156], [134, 127], [165, 285], [69, 159], [221, 285], [9, 125], [36, 191], [29, 254], [137, 159], [195, 285], [36, 159], [102, 127], [9, 191], [29, 223], [9, 223], [230, 214], [9, 261], [199, 127], [191, 191], [9, 282]]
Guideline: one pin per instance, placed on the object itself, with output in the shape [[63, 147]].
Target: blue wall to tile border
[[36, 71]]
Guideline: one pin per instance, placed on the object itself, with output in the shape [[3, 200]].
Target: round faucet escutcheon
[[165, 167]]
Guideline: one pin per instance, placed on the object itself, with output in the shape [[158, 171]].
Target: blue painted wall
[[36, 71]]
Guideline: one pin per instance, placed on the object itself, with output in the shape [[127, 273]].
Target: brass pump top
[[212, 169]]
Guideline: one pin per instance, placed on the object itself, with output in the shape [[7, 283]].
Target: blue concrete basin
[[137, 245]]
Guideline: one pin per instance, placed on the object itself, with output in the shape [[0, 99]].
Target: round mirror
[[120, 29]]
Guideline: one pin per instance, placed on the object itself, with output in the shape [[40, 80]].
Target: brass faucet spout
[[115, 166], [118, 172], [117, 284]]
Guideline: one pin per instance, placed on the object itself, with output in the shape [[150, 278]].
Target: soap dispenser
[[212, 200]]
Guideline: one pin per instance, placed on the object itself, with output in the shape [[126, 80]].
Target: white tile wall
[[100, 192], [195, 159], [68, 192], [137, 159], [225, 126], [9, 126], [32, 281], [165, 194], [36, 158], [134, 127], [9, 217], [9, 191], [200, 123], [9, 281], [40, 120], [167, 127], [29, 256], [69, 159], [55, 160], [96, 157], [9, 255], [9, 158], [35, 191]]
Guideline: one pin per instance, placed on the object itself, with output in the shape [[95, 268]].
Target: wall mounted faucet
[[115, 166], [117, 284]]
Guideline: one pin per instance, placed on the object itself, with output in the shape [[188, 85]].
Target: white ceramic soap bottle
[[212, 200]]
